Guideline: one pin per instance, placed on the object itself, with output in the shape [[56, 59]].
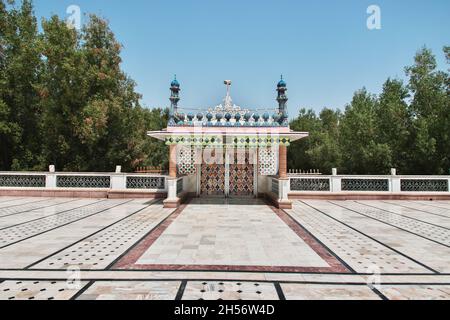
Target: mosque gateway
[[226, 151]]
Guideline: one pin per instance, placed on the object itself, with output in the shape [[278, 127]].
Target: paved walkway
[[56, 248]]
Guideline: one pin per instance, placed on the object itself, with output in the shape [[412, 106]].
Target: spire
[[282, 101], [174, 98]]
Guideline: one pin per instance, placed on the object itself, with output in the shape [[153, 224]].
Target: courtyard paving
[[59, 248]]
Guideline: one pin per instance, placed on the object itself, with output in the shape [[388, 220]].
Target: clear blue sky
[[322, 47]]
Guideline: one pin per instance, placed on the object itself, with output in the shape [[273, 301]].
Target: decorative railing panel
[[22, 181], [365, 185], [83, 181], [145, 182], [424, 185], [275, 186], [312, 184]]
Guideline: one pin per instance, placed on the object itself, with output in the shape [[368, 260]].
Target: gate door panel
[[241, 177]]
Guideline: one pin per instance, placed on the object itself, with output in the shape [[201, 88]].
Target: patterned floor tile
[[16, 204], [98, 251], [424, 229], [38, 213], [22, 231], [356, 249], [222, 235], [416, 292], [327, 292], [431, 208], [431, 255], [439, 220], [39, 290], [212, 290], [131, 290]]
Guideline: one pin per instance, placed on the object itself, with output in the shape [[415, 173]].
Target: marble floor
[[209, 249]]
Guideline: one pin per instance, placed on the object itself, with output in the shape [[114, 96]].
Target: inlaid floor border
[[199, 279]]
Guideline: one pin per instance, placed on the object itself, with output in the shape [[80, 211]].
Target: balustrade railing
[[390, 184], [79, 181], [141, 182], [310, 184], [57, 180], [22, 180]]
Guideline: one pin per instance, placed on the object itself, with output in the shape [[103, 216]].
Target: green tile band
[[241, 141]]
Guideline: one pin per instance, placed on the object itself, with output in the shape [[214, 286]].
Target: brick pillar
[[283, 162], [173, 161]]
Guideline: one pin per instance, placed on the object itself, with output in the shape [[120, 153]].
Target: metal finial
[[228, 102]]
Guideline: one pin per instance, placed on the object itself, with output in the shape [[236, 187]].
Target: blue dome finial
[[175, 82], [281, 83]]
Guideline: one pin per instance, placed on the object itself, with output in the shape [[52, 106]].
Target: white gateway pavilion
[[226, 151]]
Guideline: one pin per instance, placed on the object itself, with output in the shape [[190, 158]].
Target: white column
[[198, 179], [227, 173], [255, 171]]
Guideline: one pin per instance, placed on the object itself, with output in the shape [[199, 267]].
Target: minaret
[[282, 101], [174, 98]]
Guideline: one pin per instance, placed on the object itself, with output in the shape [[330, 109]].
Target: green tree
[[430, 109], [361, 151], [20, 75], [64, 95], [307, 121], [393, 123], [321, 149]]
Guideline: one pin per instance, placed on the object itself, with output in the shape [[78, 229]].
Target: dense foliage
[[406, 127], [64, 99]]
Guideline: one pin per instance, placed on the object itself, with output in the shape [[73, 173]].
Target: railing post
[[283, 189], [50, 177], [118, 181], [395, 186], [172, 190], [283, 194], [335, 184]]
